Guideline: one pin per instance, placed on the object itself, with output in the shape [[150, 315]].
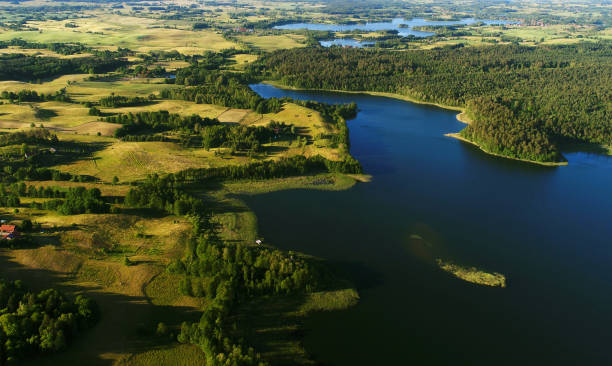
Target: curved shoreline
[[543, 163], [461, 117], [376, 94]]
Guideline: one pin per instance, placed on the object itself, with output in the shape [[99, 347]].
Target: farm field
[[182, 173]]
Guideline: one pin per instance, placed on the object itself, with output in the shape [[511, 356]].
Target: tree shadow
[[127, 322]]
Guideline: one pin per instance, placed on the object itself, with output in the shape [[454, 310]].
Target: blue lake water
[[346, 42], [549, 230], [403, 26]]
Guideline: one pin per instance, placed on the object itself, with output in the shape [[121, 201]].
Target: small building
[[8, 232]]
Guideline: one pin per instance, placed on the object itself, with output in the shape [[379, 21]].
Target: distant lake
[[403, 26], [346, 42], [549, 230]]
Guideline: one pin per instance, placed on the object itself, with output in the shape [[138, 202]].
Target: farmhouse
[[8, 232]]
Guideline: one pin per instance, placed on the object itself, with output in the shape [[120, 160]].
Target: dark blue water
[[549, 230], [395, 24]]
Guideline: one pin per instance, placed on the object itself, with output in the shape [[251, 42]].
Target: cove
[[547, 229]]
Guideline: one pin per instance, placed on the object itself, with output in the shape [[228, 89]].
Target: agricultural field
[[273, 42], [112, 31], [130, 136]]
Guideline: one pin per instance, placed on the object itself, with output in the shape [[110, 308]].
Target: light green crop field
[[112, 31], [135, 160], [273, 42]]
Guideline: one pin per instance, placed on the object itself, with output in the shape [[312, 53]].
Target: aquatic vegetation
[[473, 274]]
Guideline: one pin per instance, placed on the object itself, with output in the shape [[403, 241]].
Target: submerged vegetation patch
[[473, 274]]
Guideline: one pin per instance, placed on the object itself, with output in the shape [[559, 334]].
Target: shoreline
[[376, 94], [461, 117], [456, 135]]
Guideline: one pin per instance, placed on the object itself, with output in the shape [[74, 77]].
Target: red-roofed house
[[8, 232]]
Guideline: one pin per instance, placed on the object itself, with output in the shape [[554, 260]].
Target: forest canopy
[[523, 101]]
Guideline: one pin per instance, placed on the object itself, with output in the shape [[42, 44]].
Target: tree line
[[31, 136], [57, 47], [547, 95], [269, 169], [77, 200], [32, 68], [159, 121], [116, 101], [33, 96]]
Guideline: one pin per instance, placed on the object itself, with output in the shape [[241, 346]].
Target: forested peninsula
[[524, 102]]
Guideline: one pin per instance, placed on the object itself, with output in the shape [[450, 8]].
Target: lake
[[403, 26], [346, 42], [547, 229]]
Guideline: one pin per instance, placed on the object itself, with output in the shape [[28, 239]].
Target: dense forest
[[523, 101], [32, 68], [33, 323]]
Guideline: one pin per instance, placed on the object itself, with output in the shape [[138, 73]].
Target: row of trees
[[159, 121], [116, 101], [33, 96], [32, 172], [78, 200], [554, 93], [28, 68], [284, 167], [44, 322], [10, 193], [32, 136], [61, 48]]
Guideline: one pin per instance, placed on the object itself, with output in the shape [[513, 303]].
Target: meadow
[[121, 258]]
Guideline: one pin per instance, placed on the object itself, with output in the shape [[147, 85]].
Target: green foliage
[[524, 100], [44, 322], [224, 88], [116, 101], [164, 194], [284, 167], [94, 111], [78, 200], [61, 48], [33, 96], [32, 136], [149, 122], [228, 274], [23, 67]]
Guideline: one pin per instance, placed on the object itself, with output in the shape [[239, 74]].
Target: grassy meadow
[[136, 33]]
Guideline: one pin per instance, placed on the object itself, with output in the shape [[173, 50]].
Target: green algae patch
[[473, 274]]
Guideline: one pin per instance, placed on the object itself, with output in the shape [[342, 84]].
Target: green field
[[121, 258]]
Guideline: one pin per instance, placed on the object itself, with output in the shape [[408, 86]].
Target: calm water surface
[[344, 42], [403, 26], [549, 230]]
